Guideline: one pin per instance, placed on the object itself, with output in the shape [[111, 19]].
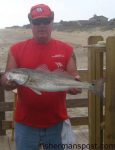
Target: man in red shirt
[[39, 118]]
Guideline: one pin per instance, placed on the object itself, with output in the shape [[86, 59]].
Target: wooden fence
[[101, 119]]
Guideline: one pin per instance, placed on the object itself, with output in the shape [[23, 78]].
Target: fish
[[43, 80]]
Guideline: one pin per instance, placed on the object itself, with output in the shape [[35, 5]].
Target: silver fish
[[43, 79]]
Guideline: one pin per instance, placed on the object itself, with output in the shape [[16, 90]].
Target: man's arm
[[72, 69], [11, 64]]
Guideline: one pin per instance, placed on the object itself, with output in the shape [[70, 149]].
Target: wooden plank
[[109, 136], [72, 103], [75, 121], [82, 102], [2, 114], [7, 124], [92, 98], [92, 109], [99, 100], [6, 106], [83, 74]]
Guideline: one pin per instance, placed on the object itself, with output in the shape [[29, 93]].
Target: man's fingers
[[7, 84], [74, 91]]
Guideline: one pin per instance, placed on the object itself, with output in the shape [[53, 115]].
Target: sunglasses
[[41, 21]]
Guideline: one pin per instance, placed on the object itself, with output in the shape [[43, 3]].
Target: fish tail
[[97, 87]]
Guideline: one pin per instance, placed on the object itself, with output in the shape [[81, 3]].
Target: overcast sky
[[14, 12]]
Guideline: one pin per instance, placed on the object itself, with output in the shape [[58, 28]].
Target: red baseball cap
[[40, 11]]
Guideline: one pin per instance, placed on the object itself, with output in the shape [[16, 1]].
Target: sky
[[15, 12]]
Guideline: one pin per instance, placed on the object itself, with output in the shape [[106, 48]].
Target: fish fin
[[43, 67], [62, 73], [58, 72], [97, 87], [36, 91]]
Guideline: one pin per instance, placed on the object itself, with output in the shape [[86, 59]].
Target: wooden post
[[14, 109], [109, 136], [2, 114], [95, 102]]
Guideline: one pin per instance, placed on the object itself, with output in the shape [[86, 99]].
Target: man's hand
[[75, 91], [8, 85]]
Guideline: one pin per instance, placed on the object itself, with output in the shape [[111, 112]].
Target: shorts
[[28, 138]]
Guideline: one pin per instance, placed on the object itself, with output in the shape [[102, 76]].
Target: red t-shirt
[[44, 110]]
